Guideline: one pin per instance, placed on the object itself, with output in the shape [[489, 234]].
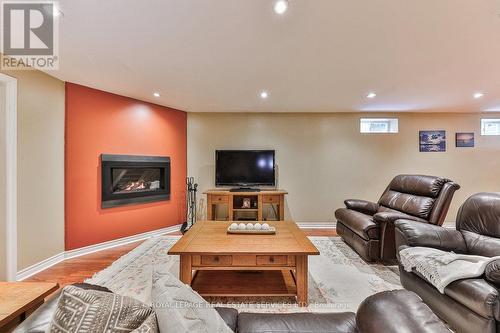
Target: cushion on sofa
[[361, 224], [180, 309], [39, 320], [88, 286], [408, 203], [426, 186], [91, 311]]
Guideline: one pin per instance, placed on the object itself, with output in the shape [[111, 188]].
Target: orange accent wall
[[98, 122]]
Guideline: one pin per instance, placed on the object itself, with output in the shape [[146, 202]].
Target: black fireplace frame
[[109, 162]]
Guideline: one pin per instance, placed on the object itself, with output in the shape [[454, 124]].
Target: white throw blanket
[[441, 268]]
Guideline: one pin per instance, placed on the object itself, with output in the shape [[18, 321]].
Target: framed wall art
[[432, 141]]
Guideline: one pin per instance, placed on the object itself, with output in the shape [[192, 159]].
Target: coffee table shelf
[[249, 283]]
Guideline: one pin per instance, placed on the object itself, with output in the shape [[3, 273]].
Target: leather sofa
[[467, 305], [368, 227], [397, 311]]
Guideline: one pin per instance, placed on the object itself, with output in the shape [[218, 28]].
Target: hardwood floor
[[78, 269]]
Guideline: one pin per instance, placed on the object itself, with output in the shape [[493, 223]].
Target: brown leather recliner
[[468, 305], [368, 227]]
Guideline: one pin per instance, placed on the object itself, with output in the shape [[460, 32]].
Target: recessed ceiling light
[[478, 95], [264, 95], [371, 95], [156, 94], [280, 7]]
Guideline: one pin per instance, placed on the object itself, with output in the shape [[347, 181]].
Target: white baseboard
[[38, 267], [49, 262], [317, 225], [118, 242]]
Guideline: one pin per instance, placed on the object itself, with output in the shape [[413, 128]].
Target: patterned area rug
[[339, 280]]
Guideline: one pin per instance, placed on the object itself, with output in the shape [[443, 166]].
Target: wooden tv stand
[[234, 200]]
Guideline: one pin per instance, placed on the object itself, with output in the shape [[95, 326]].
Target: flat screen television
[[244, 168]]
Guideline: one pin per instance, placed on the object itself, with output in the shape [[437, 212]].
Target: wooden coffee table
[[215, 263]]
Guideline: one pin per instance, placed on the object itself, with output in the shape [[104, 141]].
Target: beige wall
[[3, 231], [40, 166], [323, 159]]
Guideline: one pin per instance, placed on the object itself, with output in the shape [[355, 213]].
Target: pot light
[[371, 95], [264, 95], [478, 95], [280, 7], [156, 94]]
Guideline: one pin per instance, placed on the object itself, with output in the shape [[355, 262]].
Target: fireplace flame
[[139, 185]]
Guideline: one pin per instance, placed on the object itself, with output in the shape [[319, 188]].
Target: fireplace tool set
[[192, 188]]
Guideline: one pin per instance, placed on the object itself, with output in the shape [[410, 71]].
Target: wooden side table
[[233, 200], [19, 299]]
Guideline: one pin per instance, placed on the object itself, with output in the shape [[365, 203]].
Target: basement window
[[379, 125], [490, 126]]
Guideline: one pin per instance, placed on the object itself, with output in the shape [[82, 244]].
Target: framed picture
[[246, 203], [464, 140], [432, 141]]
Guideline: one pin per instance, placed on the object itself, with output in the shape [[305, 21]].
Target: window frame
[[483, 120], [390, 121]]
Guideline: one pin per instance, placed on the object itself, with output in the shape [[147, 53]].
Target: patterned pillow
[[180, 309], [91, 311]]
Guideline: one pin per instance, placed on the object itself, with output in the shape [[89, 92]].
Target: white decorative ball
[[249, 226], [257, 226], [265, 226], [233, 226], [242, 226]]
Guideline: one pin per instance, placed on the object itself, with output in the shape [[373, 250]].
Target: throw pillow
[[180, 309], [91, 311]]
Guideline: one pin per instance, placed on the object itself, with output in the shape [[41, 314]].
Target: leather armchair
[[468, 305], [368, 227]]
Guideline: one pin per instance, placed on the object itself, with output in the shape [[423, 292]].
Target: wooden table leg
[[209, 207], [282, 208], [301, 279], [186, 270]]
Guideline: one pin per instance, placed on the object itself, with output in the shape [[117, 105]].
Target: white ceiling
[[321, 56]]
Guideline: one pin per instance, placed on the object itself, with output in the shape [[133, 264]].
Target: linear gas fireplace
[[128, 179]]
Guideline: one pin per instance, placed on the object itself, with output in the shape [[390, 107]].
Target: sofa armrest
[[391, 217], [362, 206], [385, 220], [413, 233], [397, 311], [492, 273], [343, 322]]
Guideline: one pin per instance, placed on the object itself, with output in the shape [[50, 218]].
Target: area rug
[[339, 280]]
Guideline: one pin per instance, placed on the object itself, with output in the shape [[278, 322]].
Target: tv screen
[[244, 167]]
